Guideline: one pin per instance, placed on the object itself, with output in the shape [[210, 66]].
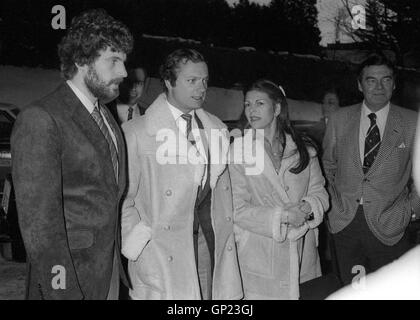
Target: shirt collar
[[177, 113], [82, 97], [382, 113]]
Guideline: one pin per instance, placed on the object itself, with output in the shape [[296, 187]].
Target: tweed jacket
[[274, 258], [158, 211], [67, 196], [387, 191]]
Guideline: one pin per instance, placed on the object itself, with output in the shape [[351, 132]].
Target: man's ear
[[168, 84], [359, 86], [81, 68]]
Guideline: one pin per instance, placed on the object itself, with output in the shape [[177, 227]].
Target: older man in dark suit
[[367, 159], [69, 168]]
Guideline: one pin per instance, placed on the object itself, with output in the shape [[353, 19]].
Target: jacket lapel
[[353, 141], [121, 149], [90, 129], [159, 117], [391, 136]]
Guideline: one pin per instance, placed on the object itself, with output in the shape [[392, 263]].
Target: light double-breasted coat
[[274, 258], [158, 211]]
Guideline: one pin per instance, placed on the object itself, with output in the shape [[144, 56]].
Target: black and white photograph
[[208, 152]]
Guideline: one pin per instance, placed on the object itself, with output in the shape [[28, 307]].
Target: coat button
[[229, 248], [226, 188], [197, 154], [167, 228], [170, 258], [286, 188], [168, 192], [229, 219]]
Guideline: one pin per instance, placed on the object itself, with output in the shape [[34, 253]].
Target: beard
[[99, 88]]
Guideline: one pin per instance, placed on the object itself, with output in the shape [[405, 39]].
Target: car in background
[[11, 243], [8, 114]]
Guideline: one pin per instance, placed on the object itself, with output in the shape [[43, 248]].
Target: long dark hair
[[283, 122]]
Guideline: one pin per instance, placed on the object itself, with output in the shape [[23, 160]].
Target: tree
[[393, 25]]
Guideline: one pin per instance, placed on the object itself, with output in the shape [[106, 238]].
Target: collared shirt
[[90, 107], [123, 110], [381, 117], [182, 126]]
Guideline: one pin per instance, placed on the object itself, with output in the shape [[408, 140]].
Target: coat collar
[[159, 118]]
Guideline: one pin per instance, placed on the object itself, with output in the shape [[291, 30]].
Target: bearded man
[[69, 168]]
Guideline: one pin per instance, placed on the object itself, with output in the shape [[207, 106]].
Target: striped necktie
[[96, 115], [130, 113], [372, 143], [188, 118]]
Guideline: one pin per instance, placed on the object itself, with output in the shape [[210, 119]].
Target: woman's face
[[260, 110]]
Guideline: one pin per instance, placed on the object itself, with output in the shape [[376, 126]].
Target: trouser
[[360, 252], [204, 267], [114, 286]]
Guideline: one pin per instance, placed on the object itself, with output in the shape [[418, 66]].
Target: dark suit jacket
[[67, 196], [385, 188]]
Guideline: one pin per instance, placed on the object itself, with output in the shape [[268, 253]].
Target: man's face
[[190, 87], [137, 89], [377, 85], [105, 74]]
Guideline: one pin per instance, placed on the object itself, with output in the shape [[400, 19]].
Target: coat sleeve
[[329, 158], [135, 233], [37, 179], [415, 187], [316, 196], [263, 220]]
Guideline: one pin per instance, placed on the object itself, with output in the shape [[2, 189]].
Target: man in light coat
[[177, 228]]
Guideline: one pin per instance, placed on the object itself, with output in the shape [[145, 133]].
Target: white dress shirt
[[90, 106], [182, 126]]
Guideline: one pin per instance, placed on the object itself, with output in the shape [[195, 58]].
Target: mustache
[[116, 81]]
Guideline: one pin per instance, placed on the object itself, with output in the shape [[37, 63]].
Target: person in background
[[330, 103], [368, 151], [129, 104], [68, 168], [276, 212]]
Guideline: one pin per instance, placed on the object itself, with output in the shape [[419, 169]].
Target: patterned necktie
[[372, 143], [130, 113], [96, 115], [188, 118]]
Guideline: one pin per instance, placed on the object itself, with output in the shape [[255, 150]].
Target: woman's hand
[[296, 217]]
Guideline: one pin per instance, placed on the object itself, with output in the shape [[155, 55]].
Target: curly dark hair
[[169, 69], [92, 31]]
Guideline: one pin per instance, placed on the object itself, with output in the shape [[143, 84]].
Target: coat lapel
[[90, 129], [121, 149], [159, 117], [353, 129], [391, 136]]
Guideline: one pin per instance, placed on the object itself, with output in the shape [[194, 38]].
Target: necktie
[[372, 143], [188, 118], [130, 113], [96, 115]]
